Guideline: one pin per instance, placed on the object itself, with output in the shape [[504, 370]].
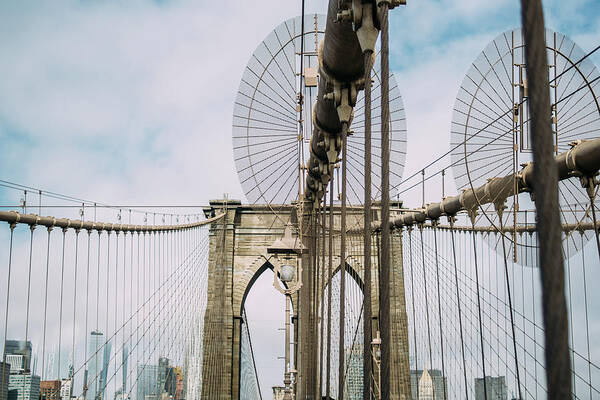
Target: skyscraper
[[147, 377], [66, 385], [495, 385], [426, 387], [163, 370], [438, 382], [4, 379], [19, 353], [125, 357], [98, 356], [24, 387]]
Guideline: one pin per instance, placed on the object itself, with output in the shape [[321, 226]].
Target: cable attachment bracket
[[364, 25]]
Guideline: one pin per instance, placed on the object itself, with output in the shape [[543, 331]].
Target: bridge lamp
[[376, 354], [289, 270], [286, 273]]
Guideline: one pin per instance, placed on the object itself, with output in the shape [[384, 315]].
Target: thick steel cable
[[367, 326], [343, 262], [330, 277], [558, 373], [384, 278]]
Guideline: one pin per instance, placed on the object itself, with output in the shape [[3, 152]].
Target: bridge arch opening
[[353, 332], [263, 321]]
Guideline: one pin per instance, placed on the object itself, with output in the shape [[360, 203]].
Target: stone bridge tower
[[238, 255]]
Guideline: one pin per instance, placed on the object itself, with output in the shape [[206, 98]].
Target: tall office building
[[19, 354], [125, 358], [147, 379], [98, 358], [163, 371], [438, 382], [426, 387], [495, 385], [23, 387], [4, 379], [66, 385]]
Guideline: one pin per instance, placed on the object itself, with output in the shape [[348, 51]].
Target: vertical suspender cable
[[62, 278], [367, 329], [10, 247], [587, 323], [426, 298], [87, 299], [43, 374], [342, 263], [75, 296], [329, 279], [412, 300], [510, 307], [479, 314], [558, 372], [384, 278], [437, 274], [321, 295], [31, 229], [460, 327]]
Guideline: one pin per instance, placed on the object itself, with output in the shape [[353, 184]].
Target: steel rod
[[385, 207]]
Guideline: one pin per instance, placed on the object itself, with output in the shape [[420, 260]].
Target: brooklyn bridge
[[471, 277]]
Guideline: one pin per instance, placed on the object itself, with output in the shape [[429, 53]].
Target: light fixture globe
[[286, 273]]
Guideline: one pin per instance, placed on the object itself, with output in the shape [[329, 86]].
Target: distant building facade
[[4, 379], [354, 373], [495, 385], [50, 390], [147, 379], [99, 353], [438, 384], [18, 355], [66, 385], [23, 387], [66, 389]]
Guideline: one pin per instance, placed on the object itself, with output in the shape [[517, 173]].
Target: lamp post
[[376, 354], [290, 273]]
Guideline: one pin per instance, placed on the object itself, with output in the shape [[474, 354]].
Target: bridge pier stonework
[[238, 256]]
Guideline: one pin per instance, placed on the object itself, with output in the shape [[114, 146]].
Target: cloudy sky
[[131, 101]]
